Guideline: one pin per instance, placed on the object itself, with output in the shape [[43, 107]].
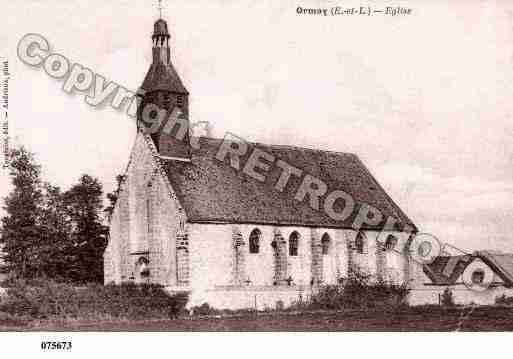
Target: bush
[[51, 300], [11, 320], [503, 300], [447, 298], [280, 306], [359, 292], [204, 309]]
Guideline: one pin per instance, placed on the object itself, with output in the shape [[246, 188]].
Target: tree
[[89, 235], [56, 247], [113, 197], [21, 230], [50, 233], [447, 298]]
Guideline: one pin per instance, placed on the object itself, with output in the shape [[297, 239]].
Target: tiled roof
[[160, 28], [213, 191], [501, 263], [439, 274]]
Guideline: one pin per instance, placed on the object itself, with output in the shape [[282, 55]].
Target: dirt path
[[422, 319]]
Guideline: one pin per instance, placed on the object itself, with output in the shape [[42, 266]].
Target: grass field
[[409, 319]]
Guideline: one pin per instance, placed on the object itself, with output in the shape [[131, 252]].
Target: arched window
[[360, 243], [390, 242], [424, 249], [478, 276], [254, 241], [142, 264], [325, 243], [293, 244]]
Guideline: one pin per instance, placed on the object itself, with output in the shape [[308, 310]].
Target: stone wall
[[430, 294], [116, 256], [219, 268], [255, 297], [145, 221], [424, 292]]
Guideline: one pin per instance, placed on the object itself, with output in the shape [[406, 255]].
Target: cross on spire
[[160, 9]]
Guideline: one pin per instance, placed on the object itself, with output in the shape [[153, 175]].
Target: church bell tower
[[162, 89]]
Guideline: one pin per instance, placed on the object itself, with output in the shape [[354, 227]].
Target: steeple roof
[[162, 76], [160, 28]]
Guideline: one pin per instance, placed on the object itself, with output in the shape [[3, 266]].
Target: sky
[[425, 100]]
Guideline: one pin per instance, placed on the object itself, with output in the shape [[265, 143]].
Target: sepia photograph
[[254, 166]]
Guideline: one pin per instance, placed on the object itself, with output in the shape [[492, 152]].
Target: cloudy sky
[[425, 100]]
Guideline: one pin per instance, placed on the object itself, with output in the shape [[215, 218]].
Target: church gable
[[146, 221], [451, 270]]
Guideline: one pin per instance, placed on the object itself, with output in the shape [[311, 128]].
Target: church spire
[[160, 9], [160, 38], [162, 75], [163, 87]]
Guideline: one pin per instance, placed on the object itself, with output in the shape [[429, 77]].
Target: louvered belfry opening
[[164, 100]]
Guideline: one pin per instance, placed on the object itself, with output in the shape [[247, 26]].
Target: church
[[244, 225]]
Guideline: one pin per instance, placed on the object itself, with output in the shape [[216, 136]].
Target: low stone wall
[[429, 294], [254, 297]]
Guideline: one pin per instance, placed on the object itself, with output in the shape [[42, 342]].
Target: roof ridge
[[285, 146], [486, 255]]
